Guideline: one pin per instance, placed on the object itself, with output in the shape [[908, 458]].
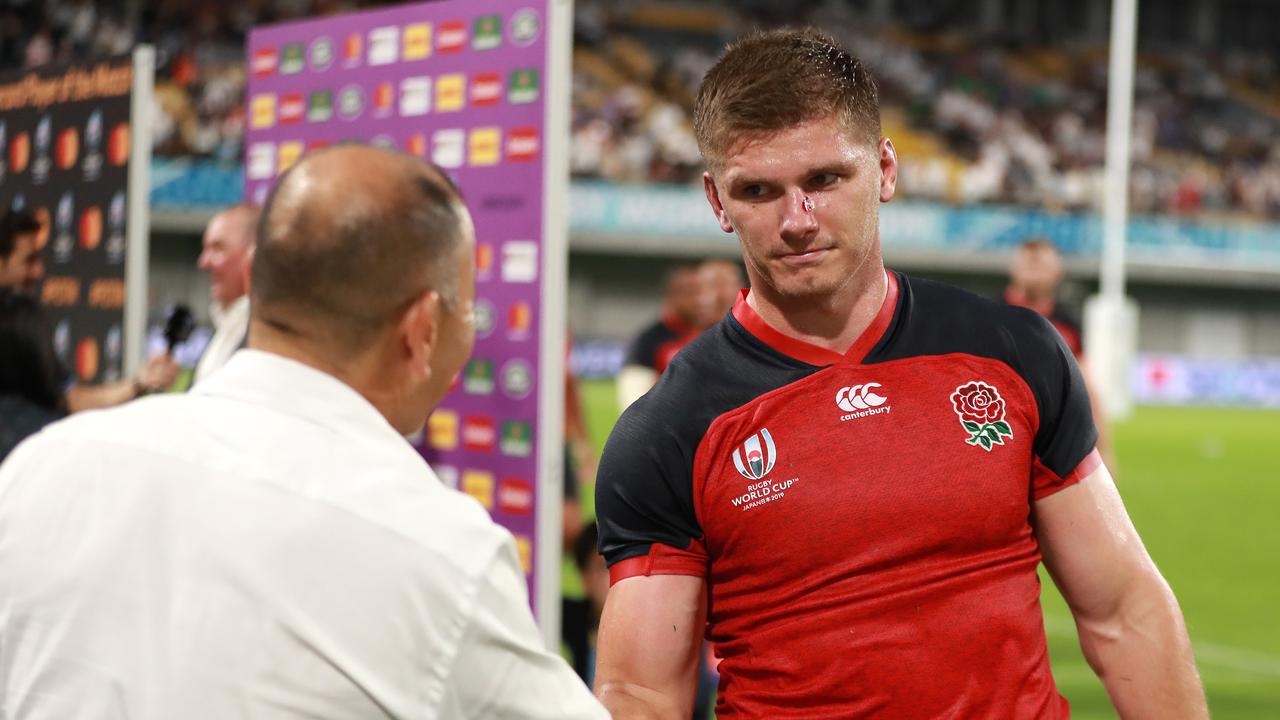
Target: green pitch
[[1203, 488]]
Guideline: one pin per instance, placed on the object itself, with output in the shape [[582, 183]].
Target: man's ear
[[713, 197], [246, 271], [419, 331]]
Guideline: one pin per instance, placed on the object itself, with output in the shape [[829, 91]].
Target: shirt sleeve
[[1066, 440], [503, 669], [644, 492]]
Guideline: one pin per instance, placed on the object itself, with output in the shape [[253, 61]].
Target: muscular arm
[[1130, 626], [647, 653]]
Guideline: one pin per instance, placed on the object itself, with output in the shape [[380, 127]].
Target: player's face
[[803, 250]]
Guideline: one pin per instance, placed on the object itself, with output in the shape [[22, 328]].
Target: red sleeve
[[663, 560], [1045, 482]]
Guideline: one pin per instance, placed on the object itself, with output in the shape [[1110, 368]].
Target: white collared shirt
[[265, 546], [230, 325]]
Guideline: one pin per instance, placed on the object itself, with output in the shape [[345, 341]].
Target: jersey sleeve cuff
[[662, 560], [1046, 482]]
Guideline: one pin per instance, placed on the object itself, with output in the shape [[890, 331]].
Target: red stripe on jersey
[[662, 560], [812, 354], [1046, 482]]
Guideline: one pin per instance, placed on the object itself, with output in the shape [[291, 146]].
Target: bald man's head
[[350, 236]]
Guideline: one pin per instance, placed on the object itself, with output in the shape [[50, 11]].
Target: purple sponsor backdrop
[[461, 83]]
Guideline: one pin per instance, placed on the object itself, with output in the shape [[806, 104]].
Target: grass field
[[1203, 488]]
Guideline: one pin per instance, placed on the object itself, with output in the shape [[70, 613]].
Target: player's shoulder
[[939, 318]]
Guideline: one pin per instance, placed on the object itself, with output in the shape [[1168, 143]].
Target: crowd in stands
[[975, 119]]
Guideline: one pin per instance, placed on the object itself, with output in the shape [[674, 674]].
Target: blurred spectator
[[719, 283], [21, 264], [30, 391], [226, 256], [1035, 276], [22, 269], [652, 350]]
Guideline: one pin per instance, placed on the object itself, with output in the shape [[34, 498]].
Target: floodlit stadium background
[[998, 111]]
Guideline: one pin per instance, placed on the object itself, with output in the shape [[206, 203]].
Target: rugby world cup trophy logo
[[755, 457], [981, 411]]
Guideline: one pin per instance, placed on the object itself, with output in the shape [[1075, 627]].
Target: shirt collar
[[813, 354], [220, 315], [287, 386]]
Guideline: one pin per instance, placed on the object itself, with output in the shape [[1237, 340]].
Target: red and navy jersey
[[863, 521], [657, 344], [1062, 320]]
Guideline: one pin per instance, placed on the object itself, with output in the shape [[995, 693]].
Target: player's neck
[[834, 323]]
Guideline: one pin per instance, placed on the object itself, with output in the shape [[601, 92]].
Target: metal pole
[[1115, 209]]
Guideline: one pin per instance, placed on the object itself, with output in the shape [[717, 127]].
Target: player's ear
[[713, 197], [888, 170]]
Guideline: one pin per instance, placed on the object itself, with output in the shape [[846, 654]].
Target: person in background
[[226, 255], [719, 282], [1035, 276], [22, 269], [21, 262], [651, 350], [269, 545], [30, 394]]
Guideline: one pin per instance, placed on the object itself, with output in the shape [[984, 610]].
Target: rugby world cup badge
[[982, 414], [755, 457]]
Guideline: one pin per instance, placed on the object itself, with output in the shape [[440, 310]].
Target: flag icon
[[519, 320], [515, 496], [522, 144], [479, 485], [262, 111], [484, 146], [262, 161], [486, 33], [417, 41], [484, 260], [352, 50], [384, 44], [477, 379], [292, 58], [264, 62], [448, 148], [289, 154], [383, 99], [517, 439], [523, 86], [292, 108], [320, 106], [486, 89], [415, 96], [453, 37], [442, 430], [451, 92], [479, 433], [416, 145]]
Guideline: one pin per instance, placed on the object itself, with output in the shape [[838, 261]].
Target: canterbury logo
[[859, 397], [755, 457]]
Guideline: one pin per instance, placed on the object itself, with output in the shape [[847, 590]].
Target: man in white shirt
[[268, 545], [227, 251]]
